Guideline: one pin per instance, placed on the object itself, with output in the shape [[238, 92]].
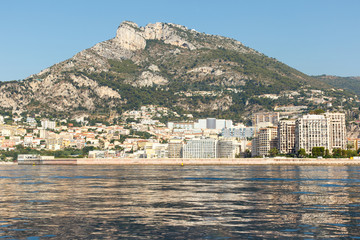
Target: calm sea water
[[174, 202]]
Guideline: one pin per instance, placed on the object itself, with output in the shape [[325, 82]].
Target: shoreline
[[219, 161], [184, 161]]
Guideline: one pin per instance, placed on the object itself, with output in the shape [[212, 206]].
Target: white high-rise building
[[337, 130], [312, 131], [326, 131]]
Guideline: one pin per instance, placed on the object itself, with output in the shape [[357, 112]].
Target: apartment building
[[312, 131], [226, 149], [265, 119], [47, 124], [175, 148], [326, 131], [337, 130], [286, 136], [265, 140]]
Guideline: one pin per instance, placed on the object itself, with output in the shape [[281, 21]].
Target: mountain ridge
[[161, 64], [350, 83]]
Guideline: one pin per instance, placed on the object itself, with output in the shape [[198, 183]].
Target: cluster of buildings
[[146, 137], [308, 131]]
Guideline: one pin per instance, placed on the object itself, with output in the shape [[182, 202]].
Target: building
[[213, 123], [31, 121], [286, 136], [28, 141], [175, 148], [326, 131], [265, 140], [200, 148], [181, 125], [312, 131], [242, 132], [337, 130], [260, 120], [28, 159], [47, 124], [226, 149]]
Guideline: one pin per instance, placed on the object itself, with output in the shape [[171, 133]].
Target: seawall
[[218, 161], [184, 161]]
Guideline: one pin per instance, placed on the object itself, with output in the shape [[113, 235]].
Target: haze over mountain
[[161, 64]]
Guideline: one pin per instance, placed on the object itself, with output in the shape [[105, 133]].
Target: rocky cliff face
[[158, 64]]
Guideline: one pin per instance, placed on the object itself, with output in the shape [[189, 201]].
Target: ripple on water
[[168, 202]]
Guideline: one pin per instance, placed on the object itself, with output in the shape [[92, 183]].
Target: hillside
[[351, 84], [167, 65]]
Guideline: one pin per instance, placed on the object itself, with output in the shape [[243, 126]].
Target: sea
[[179, 202]]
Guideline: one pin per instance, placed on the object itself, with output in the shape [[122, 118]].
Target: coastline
[[218, 161], [193, 161], [7, 163]]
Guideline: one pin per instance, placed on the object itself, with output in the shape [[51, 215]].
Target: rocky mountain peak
[[129, 36]]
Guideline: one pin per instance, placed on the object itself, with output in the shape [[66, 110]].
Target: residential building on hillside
[[47, 124], [242, 133], [213, 123], [181, 125], [265, 119]]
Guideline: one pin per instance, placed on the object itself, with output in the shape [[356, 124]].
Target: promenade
[[184, 161], [218, 161]]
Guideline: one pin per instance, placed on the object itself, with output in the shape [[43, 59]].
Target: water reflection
[[172, 202]]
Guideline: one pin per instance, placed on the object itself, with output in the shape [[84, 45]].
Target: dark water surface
[[173, 202]]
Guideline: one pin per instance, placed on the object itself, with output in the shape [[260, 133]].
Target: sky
[[314, 36]]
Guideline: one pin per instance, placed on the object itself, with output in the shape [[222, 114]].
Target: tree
[[247, 153], [318, 151], [273, 152], [327, 153], [336, 153], [317, 111], [301, 153]]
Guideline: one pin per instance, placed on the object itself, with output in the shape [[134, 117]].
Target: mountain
[[351, 84], [161, 64]]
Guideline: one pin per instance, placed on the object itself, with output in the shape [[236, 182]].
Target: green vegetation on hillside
[[351, 84], [124, 66]]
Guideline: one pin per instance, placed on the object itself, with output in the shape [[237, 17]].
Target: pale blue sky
[[313, 36]]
